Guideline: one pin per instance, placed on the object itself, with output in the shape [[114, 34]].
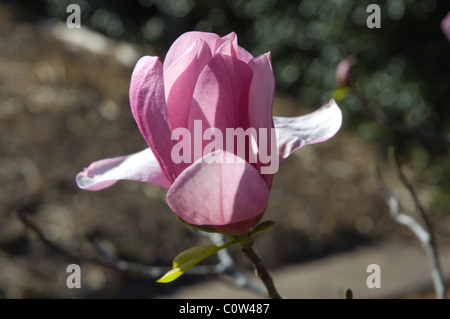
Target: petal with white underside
[[140, 167], [316, 127], [218, 193]]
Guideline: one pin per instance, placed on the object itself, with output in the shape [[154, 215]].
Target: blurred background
[[64, 104]]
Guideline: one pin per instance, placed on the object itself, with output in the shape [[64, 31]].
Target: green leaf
[[188, 258], [262, 227], [341, 93], [171, 275], [194, 255]]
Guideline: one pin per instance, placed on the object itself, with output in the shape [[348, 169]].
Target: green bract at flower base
[[341, 92], [192, 256]]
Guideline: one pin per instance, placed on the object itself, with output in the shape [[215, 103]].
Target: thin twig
[[431, 245], [412, 192], [261, 270], [423, 234], [229, 267], [109, 261], [225, 266]]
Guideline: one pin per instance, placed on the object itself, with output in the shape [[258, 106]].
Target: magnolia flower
[[185, 107]]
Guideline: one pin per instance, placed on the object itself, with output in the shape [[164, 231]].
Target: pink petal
[[218, 193], [445, 26], [236, 50], [231, 43], [141, 167], [226, 49], [316, 127], [244, 55], [262, 91], [221, 95], [179, 82], [149, 109], [181, 45]]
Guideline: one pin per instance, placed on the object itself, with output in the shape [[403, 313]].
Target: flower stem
[[260, 269]]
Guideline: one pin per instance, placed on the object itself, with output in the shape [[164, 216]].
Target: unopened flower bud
[[445, 26], [344, 74]]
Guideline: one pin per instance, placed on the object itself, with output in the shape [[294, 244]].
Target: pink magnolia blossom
[[445, 26], [212, 79]]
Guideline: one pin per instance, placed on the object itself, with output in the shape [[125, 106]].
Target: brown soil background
[[62, 108]]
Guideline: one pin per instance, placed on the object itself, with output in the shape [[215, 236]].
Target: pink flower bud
[[445, 26], [344, 75]]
